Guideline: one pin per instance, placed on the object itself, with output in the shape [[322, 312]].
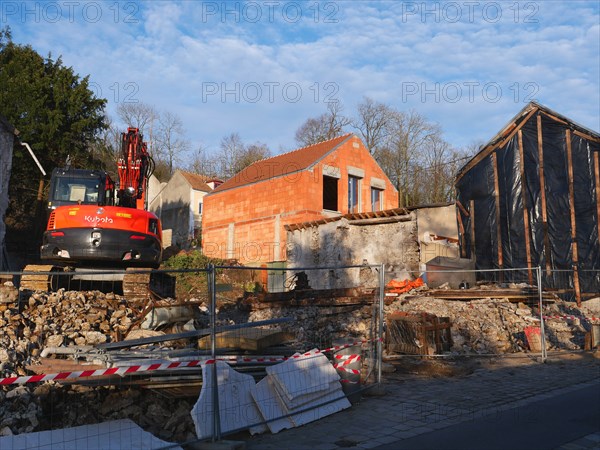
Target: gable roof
[[196, 181], [284, 164], [515, 124]]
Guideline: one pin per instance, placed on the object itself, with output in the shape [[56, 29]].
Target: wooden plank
[[525, 207], [51, 365], [547, 249], [461, 230], [251, 304], [497, 201], [472, 210], [511, 129], [462, 208], [252, 339], [586, 136], [553, 117], [512, 294], [574, 251]]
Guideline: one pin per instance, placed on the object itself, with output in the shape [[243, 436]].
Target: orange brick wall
[[298, 197]]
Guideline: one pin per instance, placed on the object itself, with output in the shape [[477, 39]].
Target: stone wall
[[344, 243]]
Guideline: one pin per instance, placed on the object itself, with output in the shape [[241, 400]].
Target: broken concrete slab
[[303, 375], [270, 408], [300, 390], [237, 409], [114, 434]]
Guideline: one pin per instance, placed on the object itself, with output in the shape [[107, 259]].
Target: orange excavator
[[94, 227]]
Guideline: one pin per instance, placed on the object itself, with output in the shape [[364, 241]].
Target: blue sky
[[260, 68]]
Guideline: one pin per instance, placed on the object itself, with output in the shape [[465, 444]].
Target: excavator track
[[37, 281], [136, 286]]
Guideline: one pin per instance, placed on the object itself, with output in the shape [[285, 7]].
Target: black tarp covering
[[548, 242]]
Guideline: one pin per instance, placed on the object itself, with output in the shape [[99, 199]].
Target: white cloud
[[172, 52]]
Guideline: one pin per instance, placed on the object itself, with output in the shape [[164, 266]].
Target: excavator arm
[[134, 168]]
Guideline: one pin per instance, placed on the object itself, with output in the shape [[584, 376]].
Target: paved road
[[416, 406], [544, 424]]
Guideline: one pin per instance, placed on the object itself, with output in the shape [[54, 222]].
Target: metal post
[[541, 303], [380, 334], [212, 287]]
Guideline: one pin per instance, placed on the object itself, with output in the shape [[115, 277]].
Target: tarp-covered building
[[531, 197]]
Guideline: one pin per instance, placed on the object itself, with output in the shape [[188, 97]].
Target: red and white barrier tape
[[99, 372], [157, 366]]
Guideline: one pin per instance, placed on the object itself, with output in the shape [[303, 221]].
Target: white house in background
[[178, 204]]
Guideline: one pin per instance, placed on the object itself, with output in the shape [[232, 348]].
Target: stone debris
[[62, 318], [28, 325], [496, 325]]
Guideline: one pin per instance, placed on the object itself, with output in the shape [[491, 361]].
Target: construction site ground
[[424, 397]]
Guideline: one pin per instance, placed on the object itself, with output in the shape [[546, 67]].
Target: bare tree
[[251, 154], [232, 149], [439, 165], [399, 155], [323, 127], [171, 143], [203, 163], [236, 156], [138, 115], [373, 122]]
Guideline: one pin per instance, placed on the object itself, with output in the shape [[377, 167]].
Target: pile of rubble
[[496, 325], [62, 318], [30, 324]]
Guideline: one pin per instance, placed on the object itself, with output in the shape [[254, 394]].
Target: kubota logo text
[[97, 219]]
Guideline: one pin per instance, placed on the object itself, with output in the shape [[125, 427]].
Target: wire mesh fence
[[222, 354], [253, 349]]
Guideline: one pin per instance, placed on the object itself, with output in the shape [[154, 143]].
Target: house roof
[[284, 164], [197, 182], [517, 123]]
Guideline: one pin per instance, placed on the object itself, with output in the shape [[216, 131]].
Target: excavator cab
[[80, 186]]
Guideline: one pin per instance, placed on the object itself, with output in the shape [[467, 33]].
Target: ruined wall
[[441, 221], [6, 149], [342, 243]]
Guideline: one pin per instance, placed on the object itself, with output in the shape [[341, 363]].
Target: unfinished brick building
[[244, 218]]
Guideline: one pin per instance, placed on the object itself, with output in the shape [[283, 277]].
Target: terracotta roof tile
[[198, 182], [286, 163]]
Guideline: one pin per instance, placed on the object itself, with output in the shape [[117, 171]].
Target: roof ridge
[[305, 156], [302, 148]]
